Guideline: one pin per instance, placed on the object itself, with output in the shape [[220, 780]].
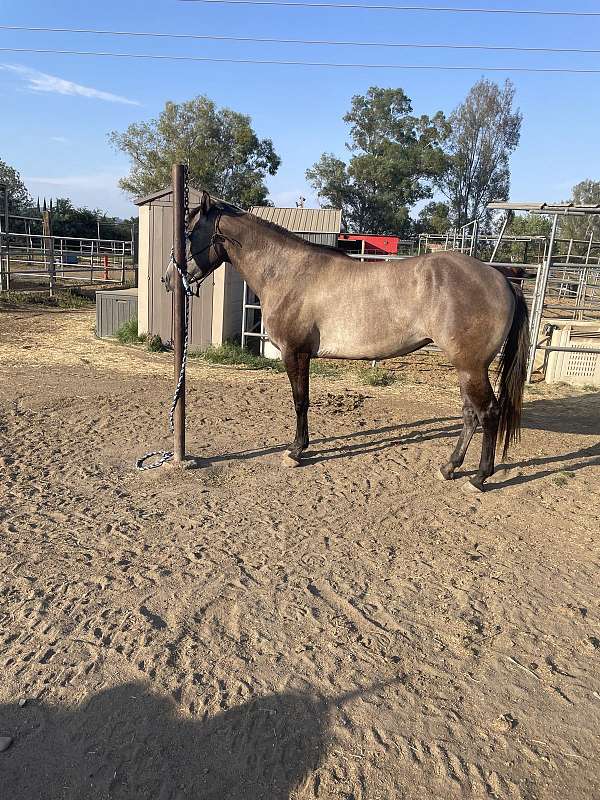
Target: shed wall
[[143, 274], [227, 304], [233, 300], [329, 239], [159, 302]]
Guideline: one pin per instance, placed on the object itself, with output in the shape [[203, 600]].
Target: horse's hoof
[[442, 476], [288, 460], [471, 488]]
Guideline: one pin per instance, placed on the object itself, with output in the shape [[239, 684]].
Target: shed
[[369, 244], [113, 309], [319, 225], [215, 315]]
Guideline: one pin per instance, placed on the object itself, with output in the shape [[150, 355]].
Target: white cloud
[[42, 82], [59, 139]]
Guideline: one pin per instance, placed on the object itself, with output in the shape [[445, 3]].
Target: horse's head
[[206, 249]]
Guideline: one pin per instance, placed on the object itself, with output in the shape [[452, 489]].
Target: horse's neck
[[257, 253]]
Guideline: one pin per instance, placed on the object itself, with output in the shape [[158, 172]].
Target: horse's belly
[[355, 345]]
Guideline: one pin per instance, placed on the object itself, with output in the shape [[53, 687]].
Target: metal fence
[[33, 260]]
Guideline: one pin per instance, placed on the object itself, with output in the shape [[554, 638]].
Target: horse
[[317, 302]]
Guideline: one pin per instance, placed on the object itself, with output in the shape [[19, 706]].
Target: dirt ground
[[349, 630]]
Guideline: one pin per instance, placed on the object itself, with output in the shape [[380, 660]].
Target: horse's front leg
[[297, 367]]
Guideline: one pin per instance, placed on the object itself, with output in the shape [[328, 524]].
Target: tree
[[484, 131], [585, 193], [525, 225], [18, 196], [529, 225], [224, 154], [395, 158], [434, 218], [67, 220]]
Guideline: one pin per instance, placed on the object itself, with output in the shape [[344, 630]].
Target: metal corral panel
[[114, 309], [330, 239], [302, 220], [545, 208]]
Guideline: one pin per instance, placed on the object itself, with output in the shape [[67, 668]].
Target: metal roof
[[546, 208], [166, 192], [302, 220]]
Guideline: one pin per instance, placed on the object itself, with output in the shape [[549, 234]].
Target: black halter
[[218, 237]]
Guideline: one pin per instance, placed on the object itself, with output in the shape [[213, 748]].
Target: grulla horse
[[317, 302]]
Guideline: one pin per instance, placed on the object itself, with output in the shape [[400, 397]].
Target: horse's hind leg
[[479, 391], [470, 423], [297, 367]]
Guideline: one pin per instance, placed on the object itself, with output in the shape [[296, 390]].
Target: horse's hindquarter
[[470, 309]]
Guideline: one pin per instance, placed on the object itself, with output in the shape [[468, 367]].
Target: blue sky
[[56, 110]]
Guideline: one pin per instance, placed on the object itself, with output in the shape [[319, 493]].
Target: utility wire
[[207, 59], [321, 42], [366, 7]]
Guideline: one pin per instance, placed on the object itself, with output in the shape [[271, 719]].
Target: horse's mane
[[229, 208]]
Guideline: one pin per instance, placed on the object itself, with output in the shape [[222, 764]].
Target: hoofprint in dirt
[[349, 629]]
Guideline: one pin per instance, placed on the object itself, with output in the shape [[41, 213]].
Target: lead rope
[[167, 455]]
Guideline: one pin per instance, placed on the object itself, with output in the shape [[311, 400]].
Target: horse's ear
[[192, 213], [205, 203], [202, 209]]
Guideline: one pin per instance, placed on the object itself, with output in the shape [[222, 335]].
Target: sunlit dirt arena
[[351, 629]]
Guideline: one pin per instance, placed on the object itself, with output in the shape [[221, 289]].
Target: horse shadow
[[127, 742], [575, 414], [578, 414], [345, 445]]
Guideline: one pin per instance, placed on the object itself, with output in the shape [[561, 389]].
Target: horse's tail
[[512, 372]]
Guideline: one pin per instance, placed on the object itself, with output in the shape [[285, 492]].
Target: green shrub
[[563, 476], [323, 369], [67, 298], [376, 376], [128, 332], [154, 343], [236, 355], [72, 299]]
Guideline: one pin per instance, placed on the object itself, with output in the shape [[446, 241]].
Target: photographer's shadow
[[127, 744]]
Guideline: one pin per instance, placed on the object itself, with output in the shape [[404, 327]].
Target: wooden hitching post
[[179, 321]]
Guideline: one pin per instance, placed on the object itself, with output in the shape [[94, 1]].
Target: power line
[[364, 6], [284, 62], [320, 42]]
